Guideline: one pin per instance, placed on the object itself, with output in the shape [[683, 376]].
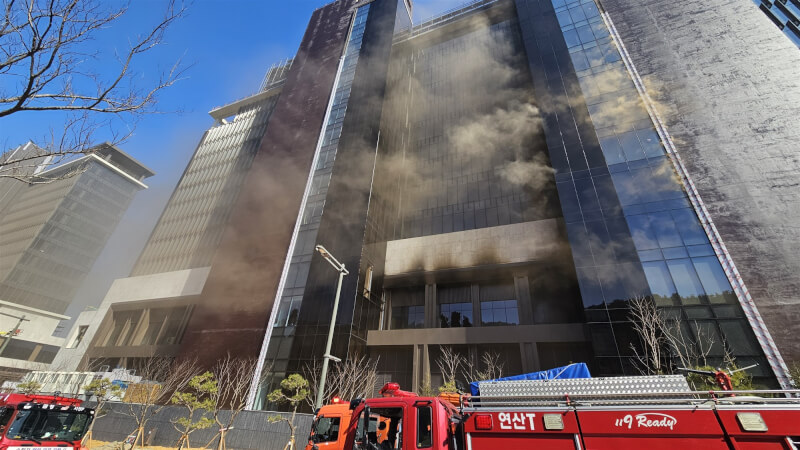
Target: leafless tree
[[650, 326], [161, 377], [489, 367], [353, 378], [663, 338], [449, 362], [234, 376], [47, 65]]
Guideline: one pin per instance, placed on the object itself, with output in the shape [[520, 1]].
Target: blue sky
[[228, 44]]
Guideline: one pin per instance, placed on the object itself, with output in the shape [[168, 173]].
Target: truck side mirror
[[366, 423]]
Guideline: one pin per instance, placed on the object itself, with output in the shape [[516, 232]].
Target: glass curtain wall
[[293, 285], [682, 272]]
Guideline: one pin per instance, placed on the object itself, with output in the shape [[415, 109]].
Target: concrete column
[[475, 295], [415, 379], [431, 307], [529, 356], [524, 300], [426, 366]]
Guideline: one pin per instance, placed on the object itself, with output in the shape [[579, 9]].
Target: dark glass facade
[[497, 122]]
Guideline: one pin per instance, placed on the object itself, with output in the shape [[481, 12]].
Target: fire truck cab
[[42, 421], [757, 420]]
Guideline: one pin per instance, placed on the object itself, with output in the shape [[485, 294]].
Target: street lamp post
[[327, 356], [10, 334]]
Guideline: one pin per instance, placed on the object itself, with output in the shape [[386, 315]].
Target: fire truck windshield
[[48, 425]]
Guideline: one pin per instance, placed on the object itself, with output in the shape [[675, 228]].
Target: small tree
[[234, 377], [449, 362], [488, 368], [29, 387], [103, 390], [160, 378], [648, 323], [198, 396], [353, 378], [663, 338], [294, 390]]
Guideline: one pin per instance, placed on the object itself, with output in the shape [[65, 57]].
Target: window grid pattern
[[189, 230], [682, 272], [300, 263], [404, 317], [454, 315], [454, 183], [51, 236], [499, 312]]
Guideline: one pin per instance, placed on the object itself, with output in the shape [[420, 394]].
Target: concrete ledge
[[180, 283], [506, 244], [567, 332]]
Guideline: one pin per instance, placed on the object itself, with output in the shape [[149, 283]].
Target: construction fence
[[251, 429]]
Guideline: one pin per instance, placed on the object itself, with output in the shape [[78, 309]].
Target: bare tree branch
[[161, 377], [354, 378], [46, 60], [234, 376]]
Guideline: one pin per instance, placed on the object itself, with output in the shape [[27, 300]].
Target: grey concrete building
[[148, 312], [52, 228]]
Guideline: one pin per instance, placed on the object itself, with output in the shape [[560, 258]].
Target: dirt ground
[[101, 445]]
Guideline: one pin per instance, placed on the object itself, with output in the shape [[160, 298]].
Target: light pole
[[13, 332], [327, 356]]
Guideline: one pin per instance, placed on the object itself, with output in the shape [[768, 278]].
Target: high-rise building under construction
[[505, 178]]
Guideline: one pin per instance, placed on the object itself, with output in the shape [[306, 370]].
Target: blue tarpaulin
[[577, 370]]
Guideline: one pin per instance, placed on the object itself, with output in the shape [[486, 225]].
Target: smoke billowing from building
[[493, 180]]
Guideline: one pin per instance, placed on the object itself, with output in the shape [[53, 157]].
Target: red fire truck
[[42, 421], [753, 420]]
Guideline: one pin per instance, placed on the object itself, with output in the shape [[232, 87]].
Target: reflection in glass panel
[[650, 142], [591, 293], [502, 312], [404, 317], [660, 281], [686, 281], [643, 235], [612, 150], [585, 34], [689, 227], [714, 280], [631, 146], [453, 315], [571, 37], [577, 14], [628, 188], [739, 337], [666, 181], [665, 230], [707, 338]]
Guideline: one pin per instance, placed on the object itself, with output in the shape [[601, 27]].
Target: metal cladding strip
[[599, 387], [251, 396], [771, 351]]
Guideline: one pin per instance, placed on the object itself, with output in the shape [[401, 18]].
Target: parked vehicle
[[28, 421], [728, 420]]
